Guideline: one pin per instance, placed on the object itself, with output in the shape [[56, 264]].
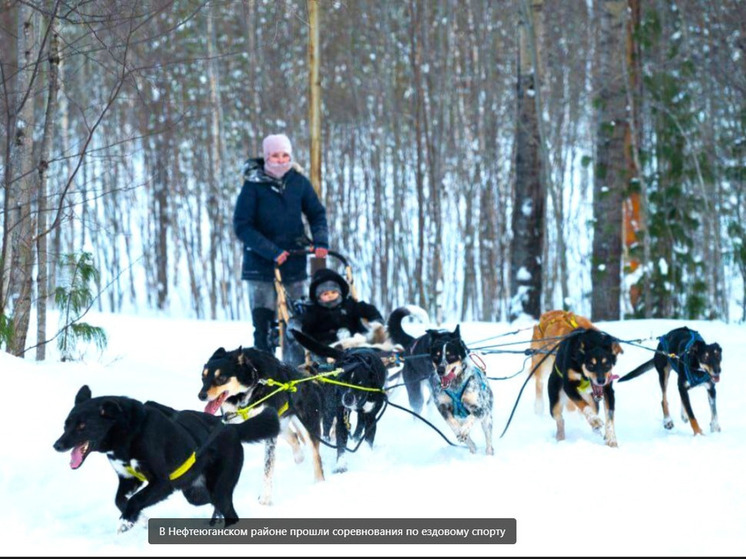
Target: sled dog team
[[157, 450]]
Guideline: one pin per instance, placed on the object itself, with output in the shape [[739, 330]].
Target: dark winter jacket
[[268, 219], [324, 324]]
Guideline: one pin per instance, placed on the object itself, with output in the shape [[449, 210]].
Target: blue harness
[[459, 410], [694, 378]]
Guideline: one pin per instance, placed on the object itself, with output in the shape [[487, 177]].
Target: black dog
[[187, 451], [583, 374], [242, 380], [695, 362], [363, 374], [460, 389], [418, 362]]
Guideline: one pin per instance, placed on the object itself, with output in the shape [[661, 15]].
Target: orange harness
[[567, 316]]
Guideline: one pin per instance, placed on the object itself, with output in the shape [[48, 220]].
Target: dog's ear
[[219, 353], [110, 409], [83, 394], [698, 347], [457, 331]]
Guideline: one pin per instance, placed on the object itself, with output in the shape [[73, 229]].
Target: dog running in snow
[[695, 362], [165, 449], [552, 327], [460, 389], [418, 368], [363, 373], [583, 374], [241, 381]]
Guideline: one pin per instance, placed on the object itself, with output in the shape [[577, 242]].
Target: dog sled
[[289, 310]]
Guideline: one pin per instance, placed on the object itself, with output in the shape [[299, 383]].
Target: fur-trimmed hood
[[253, 171]]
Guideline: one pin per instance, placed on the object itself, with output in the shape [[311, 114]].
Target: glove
[[321, 252], [281, 259]]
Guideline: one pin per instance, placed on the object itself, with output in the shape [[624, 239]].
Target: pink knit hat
[[275, 143]]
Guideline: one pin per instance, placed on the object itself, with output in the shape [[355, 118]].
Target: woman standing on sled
[[333, 315], [268, 220]]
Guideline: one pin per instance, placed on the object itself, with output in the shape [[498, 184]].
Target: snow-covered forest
[[480, 158]]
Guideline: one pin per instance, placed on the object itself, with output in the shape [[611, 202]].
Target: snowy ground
[[661, 493]]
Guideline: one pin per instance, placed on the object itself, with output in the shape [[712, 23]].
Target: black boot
[[264, 320]]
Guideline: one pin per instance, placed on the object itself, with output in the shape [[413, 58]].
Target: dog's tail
[[265, 425], [394, 324], [315, 346], [644, 368]]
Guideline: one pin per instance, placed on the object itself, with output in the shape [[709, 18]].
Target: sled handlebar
[[310, 250]]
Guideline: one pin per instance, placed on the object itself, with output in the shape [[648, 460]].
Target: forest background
[[477, 157]]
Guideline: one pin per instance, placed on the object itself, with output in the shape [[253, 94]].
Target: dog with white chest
[[461, 390]]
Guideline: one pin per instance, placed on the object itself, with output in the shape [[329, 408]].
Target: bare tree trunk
[[611, 164], [528, 209], [314, 91], [415, 12], [214, 195], [21, 184], [42, 280], [632, 213], [160, 199]]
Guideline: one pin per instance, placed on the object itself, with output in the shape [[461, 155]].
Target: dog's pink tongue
[[446, 380], [213, 406], [76, 457]]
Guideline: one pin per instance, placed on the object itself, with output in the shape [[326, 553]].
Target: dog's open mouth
[[598, 389], [450, 375], [77, 456], [213, 406]]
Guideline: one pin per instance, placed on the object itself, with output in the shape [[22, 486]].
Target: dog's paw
[[125, 525], [594, 421], [714, 427], [265, 500], [340, 467], [610, 438], [667, 423]]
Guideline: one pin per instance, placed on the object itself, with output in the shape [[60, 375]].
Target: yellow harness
[[584, 385], [291, 387], [176, 474]]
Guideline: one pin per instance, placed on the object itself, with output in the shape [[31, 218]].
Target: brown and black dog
[[242, 381], [695, 362], [583, 375], [552, 327]]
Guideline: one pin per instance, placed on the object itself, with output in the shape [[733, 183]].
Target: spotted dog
[[460, 389]]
